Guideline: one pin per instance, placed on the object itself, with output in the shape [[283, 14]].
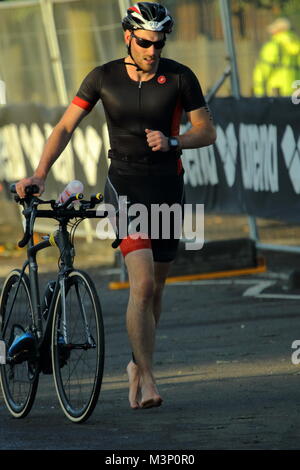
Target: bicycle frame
[[62, 240]]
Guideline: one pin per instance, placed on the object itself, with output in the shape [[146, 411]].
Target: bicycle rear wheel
[[19, 376], [78, 347]]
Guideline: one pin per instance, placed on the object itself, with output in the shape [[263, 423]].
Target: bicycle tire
[[19, 381], [78, 367]]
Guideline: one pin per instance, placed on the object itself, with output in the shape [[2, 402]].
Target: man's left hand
[[157, 141]]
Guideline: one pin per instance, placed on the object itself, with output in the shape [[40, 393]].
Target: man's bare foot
[[150, 396], [134, 388]]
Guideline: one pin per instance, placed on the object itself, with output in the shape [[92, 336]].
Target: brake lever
[[116, 243]]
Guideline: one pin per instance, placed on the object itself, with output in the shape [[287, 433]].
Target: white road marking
[[254, 291]]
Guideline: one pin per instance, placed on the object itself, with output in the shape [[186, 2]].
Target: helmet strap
[[129, 63]]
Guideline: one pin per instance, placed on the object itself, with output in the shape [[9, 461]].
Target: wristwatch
[[173, 143]]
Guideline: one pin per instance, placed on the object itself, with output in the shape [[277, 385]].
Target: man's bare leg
[[161, 271], [141, 324], [134, 385], [160, 274], [146, 285]]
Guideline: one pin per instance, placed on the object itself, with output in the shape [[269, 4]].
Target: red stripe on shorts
[[131, 243]]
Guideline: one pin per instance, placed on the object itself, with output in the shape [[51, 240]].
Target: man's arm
[[201, 133], [54, 146]]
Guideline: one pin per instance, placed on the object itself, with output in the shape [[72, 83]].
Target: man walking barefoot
[[143, 97]]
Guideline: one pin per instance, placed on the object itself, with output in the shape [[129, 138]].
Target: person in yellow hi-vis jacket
[[278, 65]]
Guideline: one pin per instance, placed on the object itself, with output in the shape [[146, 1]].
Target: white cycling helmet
[[149, 16]]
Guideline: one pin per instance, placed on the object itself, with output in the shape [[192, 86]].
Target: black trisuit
[[137, 172]]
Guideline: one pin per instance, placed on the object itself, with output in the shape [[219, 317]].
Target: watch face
[[173, 142]]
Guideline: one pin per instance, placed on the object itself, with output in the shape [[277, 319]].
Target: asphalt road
[[223, 366]]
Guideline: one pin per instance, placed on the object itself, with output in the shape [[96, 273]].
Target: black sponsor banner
[[253, 168], [24, 130]]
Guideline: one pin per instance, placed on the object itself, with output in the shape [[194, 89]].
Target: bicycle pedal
[[22, 345]]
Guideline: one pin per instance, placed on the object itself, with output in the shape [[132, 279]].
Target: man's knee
[[142, 291]]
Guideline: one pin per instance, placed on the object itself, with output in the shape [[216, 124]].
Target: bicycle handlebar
[[29, 190], [59, 211]]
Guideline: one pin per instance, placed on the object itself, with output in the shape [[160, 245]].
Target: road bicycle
[[61, 335]]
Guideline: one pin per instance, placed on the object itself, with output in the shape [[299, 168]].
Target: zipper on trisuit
[[140, 104]]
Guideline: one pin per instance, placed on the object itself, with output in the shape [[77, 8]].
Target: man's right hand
[[23, 183]]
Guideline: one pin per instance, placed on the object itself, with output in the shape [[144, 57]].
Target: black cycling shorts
[[143, 184]]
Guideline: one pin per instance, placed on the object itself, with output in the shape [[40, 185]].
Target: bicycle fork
[[63, 309], [90, 343], [90, 340]]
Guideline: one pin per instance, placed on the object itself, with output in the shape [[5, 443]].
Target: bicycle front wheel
[[19, 376], [77, 346]]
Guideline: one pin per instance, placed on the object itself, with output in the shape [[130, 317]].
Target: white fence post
[[123, 5], [54, 51], [235, 86]]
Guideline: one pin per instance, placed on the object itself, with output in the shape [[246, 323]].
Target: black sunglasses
[[146, 44]]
